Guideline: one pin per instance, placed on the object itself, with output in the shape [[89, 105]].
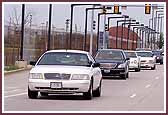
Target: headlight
[[122, 65], [135, 61], [80, 77], [35, 76]]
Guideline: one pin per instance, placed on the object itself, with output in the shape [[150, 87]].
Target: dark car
[[159, 57], [113, 62]]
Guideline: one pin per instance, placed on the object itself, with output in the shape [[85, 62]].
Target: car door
[[96, 73]]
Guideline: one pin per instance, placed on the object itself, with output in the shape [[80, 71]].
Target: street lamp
[[122, 28], [71, 19], [86, 14], [99, 14], [135, 26], [124, 16]]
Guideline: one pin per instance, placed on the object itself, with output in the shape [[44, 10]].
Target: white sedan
[[147, 59], [134, 62], [65, 72]]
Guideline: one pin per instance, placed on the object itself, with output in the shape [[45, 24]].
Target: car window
[[64, 58], [131, 54], [145, 54], [156, 53], [109, 55]]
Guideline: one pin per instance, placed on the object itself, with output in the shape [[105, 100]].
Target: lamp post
[[99, 14], [124, 16], [135, 26], [86, 14], [71, 19], [128, 31], [49, 27], [122, 29], [22, 33]]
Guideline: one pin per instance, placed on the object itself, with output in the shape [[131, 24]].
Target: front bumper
[[68, 86], [147, 65], [114, 72], [133, 66]]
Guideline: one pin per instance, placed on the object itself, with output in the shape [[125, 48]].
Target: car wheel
[[88, 95], [153, 68], [136, 69], [32, 94], [97, 92], [127, 75], [43, 94], [123, 76]]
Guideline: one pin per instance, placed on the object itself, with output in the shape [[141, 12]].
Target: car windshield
[[156, 52], [131, 54], [64, 58], [109, 55], [145, 54]]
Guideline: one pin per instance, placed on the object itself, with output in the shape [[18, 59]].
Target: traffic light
[[106, 27], [147, 8], [94, 24], [104, 10], [116, 9]]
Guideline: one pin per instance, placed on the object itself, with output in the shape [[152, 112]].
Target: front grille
[[108, 65], [57, 76], [143, 61]]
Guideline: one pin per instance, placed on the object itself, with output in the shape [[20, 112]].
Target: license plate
[[107, 71], [56, 85]]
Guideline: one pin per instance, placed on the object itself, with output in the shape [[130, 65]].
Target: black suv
[[159, 56], [113, 62]]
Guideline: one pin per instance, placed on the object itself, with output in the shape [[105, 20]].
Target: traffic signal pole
[[22, 33]]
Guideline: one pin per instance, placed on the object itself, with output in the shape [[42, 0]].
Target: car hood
[[147, 58], [61, 69]]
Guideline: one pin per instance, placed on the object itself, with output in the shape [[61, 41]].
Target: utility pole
[[22, 33], [49, 27], [91, 34], [67, 26]]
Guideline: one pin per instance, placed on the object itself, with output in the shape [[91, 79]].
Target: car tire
[[88, 95], [161, 63], [153, 68], [32, 94], [127, 75], [43, 94], [97, 92], [136, 69], [123, 76]]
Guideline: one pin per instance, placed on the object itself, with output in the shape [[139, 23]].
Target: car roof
[[71, 51], [110, 50], [144, 51], [130, 51]]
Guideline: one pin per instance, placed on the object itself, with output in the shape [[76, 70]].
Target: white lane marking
[[15, 95], [12, 90], [156, 77], [133, 95], [147, 86]]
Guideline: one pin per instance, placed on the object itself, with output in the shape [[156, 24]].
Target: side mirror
[[96, 65], [127, 58], [33, 63], [162, 54]]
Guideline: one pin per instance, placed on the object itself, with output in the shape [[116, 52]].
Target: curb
[[14, 71]]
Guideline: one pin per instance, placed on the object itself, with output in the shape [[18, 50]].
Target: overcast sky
[[61, 12]]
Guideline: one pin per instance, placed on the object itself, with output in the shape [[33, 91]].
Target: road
[[143, 91]]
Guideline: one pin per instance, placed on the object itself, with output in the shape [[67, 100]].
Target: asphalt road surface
[[143, 91]]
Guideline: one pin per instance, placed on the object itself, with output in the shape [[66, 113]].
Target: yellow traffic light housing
[[147, 8], [116, 9]]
